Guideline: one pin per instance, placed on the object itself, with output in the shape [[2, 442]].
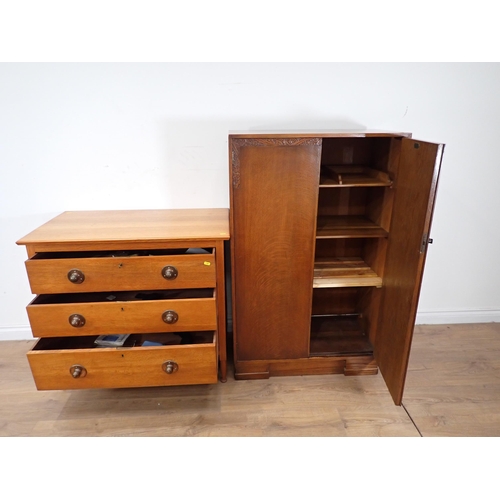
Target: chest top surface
[[130, 226]]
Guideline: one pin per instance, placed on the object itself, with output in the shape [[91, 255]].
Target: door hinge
[[425, 241]]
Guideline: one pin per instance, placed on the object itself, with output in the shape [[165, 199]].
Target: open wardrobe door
[[415, 190]]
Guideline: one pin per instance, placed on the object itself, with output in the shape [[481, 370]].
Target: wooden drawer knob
[[170, 317], [76, 320], [78, 371], [76, 276], [170, 367], [169, 272]]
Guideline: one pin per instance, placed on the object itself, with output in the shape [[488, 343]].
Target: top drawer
[[100, 272]]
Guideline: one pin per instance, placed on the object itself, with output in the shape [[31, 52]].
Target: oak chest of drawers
[[157, 275]]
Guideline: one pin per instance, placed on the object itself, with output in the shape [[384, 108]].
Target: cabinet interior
[[355, 202]]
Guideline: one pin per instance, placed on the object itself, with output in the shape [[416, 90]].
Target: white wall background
[[97, 136]]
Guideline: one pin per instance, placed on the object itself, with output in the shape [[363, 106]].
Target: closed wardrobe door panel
[[274, 196]]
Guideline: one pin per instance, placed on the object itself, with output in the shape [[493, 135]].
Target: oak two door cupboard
[[329, 234]]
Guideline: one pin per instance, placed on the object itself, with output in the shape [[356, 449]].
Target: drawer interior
[[122, 254], [133, 341], [146, 295]]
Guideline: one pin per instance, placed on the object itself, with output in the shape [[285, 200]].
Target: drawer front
[[123, 367], [101, 318], [99, 274]]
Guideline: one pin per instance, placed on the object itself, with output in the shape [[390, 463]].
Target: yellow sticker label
[[206, 263]]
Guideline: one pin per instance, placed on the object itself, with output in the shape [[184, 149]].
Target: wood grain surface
[[349, 226], [107, 274], [348, 134], [344, 272], [122, 226], [123, 367], [415, 190], [274, 204], [120, 317]]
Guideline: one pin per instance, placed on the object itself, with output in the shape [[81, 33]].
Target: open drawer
[[56, 315], [77, 272], [74, 362]]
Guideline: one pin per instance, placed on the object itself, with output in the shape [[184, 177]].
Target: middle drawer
[[61, 315]]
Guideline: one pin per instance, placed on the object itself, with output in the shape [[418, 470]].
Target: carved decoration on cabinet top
[[285, 141]]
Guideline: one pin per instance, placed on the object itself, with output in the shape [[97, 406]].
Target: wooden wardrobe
[[329, 233]]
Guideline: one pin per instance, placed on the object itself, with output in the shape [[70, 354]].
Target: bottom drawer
[[73, 362]]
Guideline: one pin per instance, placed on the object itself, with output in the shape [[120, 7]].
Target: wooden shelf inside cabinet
[[344, 272], [348, 226], [338, 335], [352, 176]]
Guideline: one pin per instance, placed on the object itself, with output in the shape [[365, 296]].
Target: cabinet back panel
[[335, 301], [340, 247], [345, 201], [273, 204], [371, 152]]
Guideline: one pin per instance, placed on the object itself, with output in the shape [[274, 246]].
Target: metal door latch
[[425, 241]]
